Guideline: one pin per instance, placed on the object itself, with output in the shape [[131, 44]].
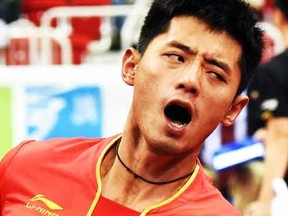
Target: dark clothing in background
[[268, 92], [9, 10]]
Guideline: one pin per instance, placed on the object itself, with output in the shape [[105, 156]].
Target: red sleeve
[[4, 165]]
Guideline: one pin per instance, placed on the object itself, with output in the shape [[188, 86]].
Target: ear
[[237, 105], [130, 60]]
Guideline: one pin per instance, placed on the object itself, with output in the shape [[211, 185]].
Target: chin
[[168, 148]]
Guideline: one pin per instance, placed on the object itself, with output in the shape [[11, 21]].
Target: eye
[[175, 57], [217, 75]]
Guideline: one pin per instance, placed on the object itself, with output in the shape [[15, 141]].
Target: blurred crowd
[[20, 21]]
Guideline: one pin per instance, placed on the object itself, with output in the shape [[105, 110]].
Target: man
[[268, 114], [194, 58]]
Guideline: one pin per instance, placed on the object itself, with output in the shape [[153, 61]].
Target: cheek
[[145, 90], [149, 81], [223, 96], [217, 105]]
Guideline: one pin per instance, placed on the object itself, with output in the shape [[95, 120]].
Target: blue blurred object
[[235, 154], [54, 111]]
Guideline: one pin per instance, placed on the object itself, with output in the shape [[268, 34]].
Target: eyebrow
[[219, 64], [181, 46], [188, 50]]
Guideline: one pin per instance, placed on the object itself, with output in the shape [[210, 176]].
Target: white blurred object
[[274, 33], [279, 205], [257, 4], [4, 38]]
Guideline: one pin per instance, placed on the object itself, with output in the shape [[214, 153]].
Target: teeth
[[178, 124]]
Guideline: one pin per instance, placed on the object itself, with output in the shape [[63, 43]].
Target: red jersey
[[62, 177]]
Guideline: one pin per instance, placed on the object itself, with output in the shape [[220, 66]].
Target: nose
[[190, 79]]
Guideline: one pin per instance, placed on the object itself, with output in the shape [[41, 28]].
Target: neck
[[153, 160], [144, 179], [119, 185]]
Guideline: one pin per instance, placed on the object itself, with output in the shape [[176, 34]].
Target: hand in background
[[258, 208], [276, 207]]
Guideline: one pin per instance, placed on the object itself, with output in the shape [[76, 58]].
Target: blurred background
[[60, 67]]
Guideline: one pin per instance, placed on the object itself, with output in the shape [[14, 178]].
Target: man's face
[[184, 86]]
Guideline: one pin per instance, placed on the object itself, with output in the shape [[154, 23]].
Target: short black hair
[[283, 6], [235, 17]]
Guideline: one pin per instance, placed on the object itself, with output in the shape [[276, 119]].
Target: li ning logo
[[50, 206]]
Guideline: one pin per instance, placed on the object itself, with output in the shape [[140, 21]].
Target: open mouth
[[178, 114]]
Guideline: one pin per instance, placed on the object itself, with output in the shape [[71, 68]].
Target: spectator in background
[[272, 36], [268, 114]]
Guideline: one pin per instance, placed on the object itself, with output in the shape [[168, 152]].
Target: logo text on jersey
[[51, 206]]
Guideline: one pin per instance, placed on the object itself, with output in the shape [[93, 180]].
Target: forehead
[[201, 39]]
